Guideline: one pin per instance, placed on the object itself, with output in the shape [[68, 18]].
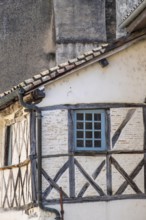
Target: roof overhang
[[9, 97]]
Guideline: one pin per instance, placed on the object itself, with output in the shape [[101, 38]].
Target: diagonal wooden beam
[[6, 190], [55, 185], [132, 176], [125, 175], [94, 175], [123, 124], [15, 189], [56, 178], [90, 180], [22, 181]]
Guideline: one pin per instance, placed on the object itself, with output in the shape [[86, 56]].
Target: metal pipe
[[39, 152], [61, 204], [134, 14]]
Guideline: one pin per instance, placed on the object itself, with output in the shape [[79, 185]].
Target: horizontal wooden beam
[[94, 105], [24, 163], [94, 153], [96, 199]]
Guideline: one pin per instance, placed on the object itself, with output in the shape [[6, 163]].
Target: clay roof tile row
[[56, 71]]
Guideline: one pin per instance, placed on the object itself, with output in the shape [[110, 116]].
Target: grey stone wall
[[39, 34], [80, 21], [80, 26], [26, 39], [122, 8]]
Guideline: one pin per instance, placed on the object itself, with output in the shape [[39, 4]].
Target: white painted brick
[[52, 166], [55, 132], [132, 135], [90, 164], [128, 163]]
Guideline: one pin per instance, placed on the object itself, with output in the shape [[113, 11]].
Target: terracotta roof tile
[[28, 81], [46, 78], [53, 74], [81, 57], [28, 87], [38, 76], [61, 70], [69, 67], [49, 75], [63, 64], [72, 60], [54, 68], [95, 54], [97, 49], [44, 73], [89, 57], [79, 62], [88, 53]]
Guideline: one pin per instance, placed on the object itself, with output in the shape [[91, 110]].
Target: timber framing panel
[[107, 163]]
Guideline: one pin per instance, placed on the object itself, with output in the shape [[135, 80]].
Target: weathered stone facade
[[39, 34]]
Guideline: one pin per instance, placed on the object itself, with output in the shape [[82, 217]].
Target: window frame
[[103, 130]]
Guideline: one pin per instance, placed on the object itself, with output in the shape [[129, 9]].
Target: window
[[8, 146], [89, 130]]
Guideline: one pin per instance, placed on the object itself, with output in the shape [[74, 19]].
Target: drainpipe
[[39, 152]]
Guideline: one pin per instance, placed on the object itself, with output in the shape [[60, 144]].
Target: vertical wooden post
[[144, 121], [109, 175], [71, 158], [32, 154]]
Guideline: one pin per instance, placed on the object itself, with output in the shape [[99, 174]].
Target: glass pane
[[88, 143], [97, 144], [79, 125], [79, 134], [97, 134], [97, 126], [80, 143], [97, 117], [80, 116], [89, 125], [88, 134], [88, 117]]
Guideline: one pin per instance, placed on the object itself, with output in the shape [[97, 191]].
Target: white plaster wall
[[128, 162], [121, 210], [90, 164], [51, 167], [123, 80], [14, 215], [114, 210]]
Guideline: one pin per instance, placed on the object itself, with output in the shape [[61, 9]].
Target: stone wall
[[36, 35], [122, 9], [26, 40]]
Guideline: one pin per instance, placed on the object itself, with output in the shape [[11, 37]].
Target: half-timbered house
[[73, 138]]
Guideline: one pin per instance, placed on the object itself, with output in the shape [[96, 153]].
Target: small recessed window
[[89, 130], [8, 146]]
